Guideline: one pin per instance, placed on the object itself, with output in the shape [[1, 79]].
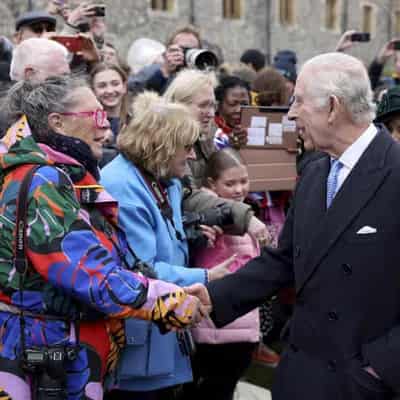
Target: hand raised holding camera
[[388, 50], [80, 14], [345, 41], [173, 59], [211, 233]]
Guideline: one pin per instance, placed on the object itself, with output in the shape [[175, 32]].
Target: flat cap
[[33, 17]]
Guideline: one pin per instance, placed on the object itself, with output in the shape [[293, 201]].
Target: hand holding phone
[[99, 10], [396, 45]]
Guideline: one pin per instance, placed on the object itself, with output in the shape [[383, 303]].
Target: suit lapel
[[359, 187]]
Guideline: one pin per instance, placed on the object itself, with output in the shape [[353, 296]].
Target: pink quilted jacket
[[245, 328]]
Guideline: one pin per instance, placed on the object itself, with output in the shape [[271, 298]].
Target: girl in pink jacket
[[224, 354]]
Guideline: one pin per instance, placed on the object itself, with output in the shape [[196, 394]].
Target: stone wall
[[259, 26]]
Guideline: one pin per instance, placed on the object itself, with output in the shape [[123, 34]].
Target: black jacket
[[347, 311]]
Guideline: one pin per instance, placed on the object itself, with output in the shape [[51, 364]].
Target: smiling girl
[[109, 83], [224, 354]]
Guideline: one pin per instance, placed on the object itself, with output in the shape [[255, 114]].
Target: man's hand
[[345, 41], [173, 59], [220, 270], [200, 291], [258, 231]]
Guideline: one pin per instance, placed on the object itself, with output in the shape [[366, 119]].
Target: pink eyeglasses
[[99, 116]]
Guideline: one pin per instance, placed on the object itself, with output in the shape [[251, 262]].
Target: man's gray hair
[[346, 78], [37, 100], [34, 52]]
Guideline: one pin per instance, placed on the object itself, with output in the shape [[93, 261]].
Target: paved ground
[[248, 391]]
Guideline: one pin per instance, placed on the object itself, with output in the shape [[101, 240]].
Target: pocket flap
[[136, 332]]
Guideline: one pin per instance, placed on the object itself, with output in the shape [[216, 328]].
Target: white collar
[[353, 153]]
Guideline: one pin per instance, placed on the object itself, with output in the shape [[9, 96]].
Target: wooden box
[[272, 148]]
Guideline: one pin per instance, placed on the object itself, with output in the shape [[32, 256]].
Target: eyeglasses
[[99, 116], [40, 27]]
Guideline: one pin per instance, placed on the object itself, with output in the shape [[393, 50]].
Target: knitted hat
[[389, 105], [286, 69]]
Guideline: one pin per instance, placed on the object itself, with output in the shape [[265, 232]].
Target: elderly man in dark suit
[[338, 247]]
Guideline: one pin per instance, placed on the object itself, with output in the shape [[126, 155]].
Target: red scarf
[[220, 122]]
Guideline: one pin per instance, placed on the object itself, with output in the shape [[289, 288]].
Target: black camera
[[199, 58], [47, 367], [220, 216]]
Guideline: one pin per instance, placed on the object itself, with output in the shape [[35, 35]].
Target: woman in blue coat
[[143, 179]]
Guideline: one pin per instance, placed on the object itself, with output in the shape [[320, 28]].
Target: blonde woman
[[195, 89], [155, 147]]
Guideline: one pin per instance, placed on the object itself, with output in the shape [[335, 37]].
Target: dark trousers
[[216, 370], [161, 394]]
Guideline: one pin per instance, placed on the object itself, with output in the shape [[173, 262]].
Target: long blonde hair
[[157, 130]]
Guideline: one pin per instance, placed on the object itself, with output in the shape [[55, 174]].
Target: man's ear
[[17, 37], [29, 72], [55, 122], [334, 108]]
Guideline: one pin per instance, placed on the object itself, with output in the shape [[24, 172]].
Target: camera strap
[[163, 204], [139, 265], [20, 260]]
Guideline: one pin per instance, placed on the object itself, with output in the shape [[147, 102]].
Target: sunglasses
[[40, 27], [99, 116]]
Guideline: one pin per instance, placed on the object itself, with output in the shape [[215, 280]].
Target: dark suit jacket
[[347, 285]]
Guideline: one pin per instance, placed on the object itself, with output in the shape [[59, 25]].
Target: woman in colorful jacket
[[143, 178], [74, 264]]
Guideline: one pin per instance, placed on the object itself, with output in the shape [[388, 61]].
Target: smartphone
[[74, 44], [361, 37], [99, 10], [396, 45]]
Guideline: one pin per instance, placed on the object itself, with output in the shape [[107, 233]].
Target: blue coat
[[150, 360]]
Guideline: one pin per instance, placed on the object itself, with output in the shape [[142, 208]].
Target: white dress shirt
[[353, 153]]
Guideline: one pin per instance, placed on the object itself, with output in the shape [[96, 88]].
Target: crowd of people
[[135, 262]]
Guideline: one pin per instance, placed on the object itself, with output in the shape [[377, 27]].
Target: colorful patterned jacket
[[71, 247]]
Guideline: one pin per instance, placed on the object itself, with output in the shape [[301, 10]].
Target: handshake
[[197, 306], [186, 307]]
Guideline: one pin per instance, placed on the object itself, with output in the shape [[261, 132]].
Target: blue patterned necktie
[[332, 181]]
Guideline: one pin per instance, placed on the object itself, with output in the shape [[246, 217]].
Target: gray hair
[[37, 100], [346, 78], [34, 52]]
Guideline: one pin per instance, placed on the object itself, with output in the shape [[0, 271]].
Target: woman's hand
[[222, 269], [238, 137], [211, 233], [259, 231]]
